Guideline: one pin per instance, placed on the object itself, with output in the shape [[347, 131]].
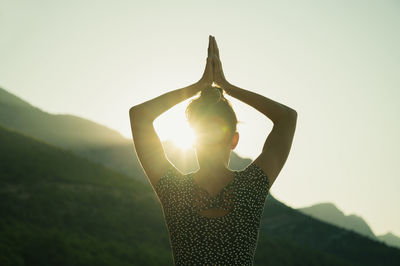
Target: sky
[[337, 63]]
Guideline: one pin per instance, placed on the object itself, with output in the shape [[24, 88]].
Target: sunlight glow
[[173, 126], [184, 138]]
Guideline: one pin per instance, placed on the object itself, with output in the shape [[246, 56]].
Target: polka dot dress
[[197, 239]]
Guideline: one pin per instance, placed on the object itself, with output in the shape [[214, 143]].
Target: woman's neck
[[213, 164]]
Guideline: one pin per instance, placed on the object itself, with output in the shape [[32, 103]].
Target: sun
[[184, 138], [173, 126]]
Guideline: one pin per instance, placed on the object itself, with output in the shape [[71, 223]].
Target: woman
[[212, 215]]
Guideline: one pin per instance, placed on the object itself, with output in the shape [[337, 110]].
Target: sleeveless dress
[[201, 240]]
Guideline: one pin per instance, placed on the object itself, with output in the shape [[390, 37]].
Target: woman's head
[[212, 118]]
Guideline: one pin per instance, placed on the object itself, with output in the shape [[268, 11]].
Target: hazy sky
[[336, 62]]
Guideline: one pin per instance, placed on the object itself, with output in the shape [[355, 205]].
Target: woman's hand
[[207, 78], [218, 74]]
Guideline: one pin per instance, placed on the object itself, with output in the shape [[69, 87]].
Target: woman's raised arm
[[151, 109], [147, 143], [278, 143]]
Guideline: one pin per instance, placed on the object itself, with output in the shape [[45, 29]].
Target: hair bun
[[211, 95]]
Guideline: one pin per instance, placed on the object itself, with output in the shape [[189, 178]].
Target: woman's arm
[[148, 146], [151, 109], [275, 111], [278, 143], [147, 143]]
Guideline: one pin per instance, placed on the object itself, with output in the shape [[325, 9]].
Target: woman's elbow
[[289, 116], [138, 115], [133, 114], [293, 113]]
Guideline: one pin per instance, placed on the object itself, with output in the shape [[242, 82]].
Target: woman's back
[[197, 239]]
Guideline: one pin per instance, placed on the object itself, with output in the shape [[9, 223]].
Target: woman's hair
[[211, 105]]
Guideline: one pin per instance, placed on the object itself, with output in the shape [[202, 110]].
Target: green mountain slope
[[60, 209]]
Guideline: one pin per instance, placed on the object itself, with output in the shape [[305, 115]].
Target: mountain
[[84, 137], [390, 239], [64, 130], [328, 212], [299, 234], [61, 209], [88, 139]]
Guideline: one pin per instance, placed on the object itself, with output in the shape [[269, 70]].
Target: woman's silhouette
[[213, 215]]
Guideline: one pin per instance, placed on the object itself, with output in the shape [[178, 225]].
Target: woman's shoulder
[[254, 174], [171, 177]]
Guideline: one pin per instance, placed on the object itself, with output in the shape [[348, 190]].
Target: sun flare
[[173, 126], [184, 138]]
